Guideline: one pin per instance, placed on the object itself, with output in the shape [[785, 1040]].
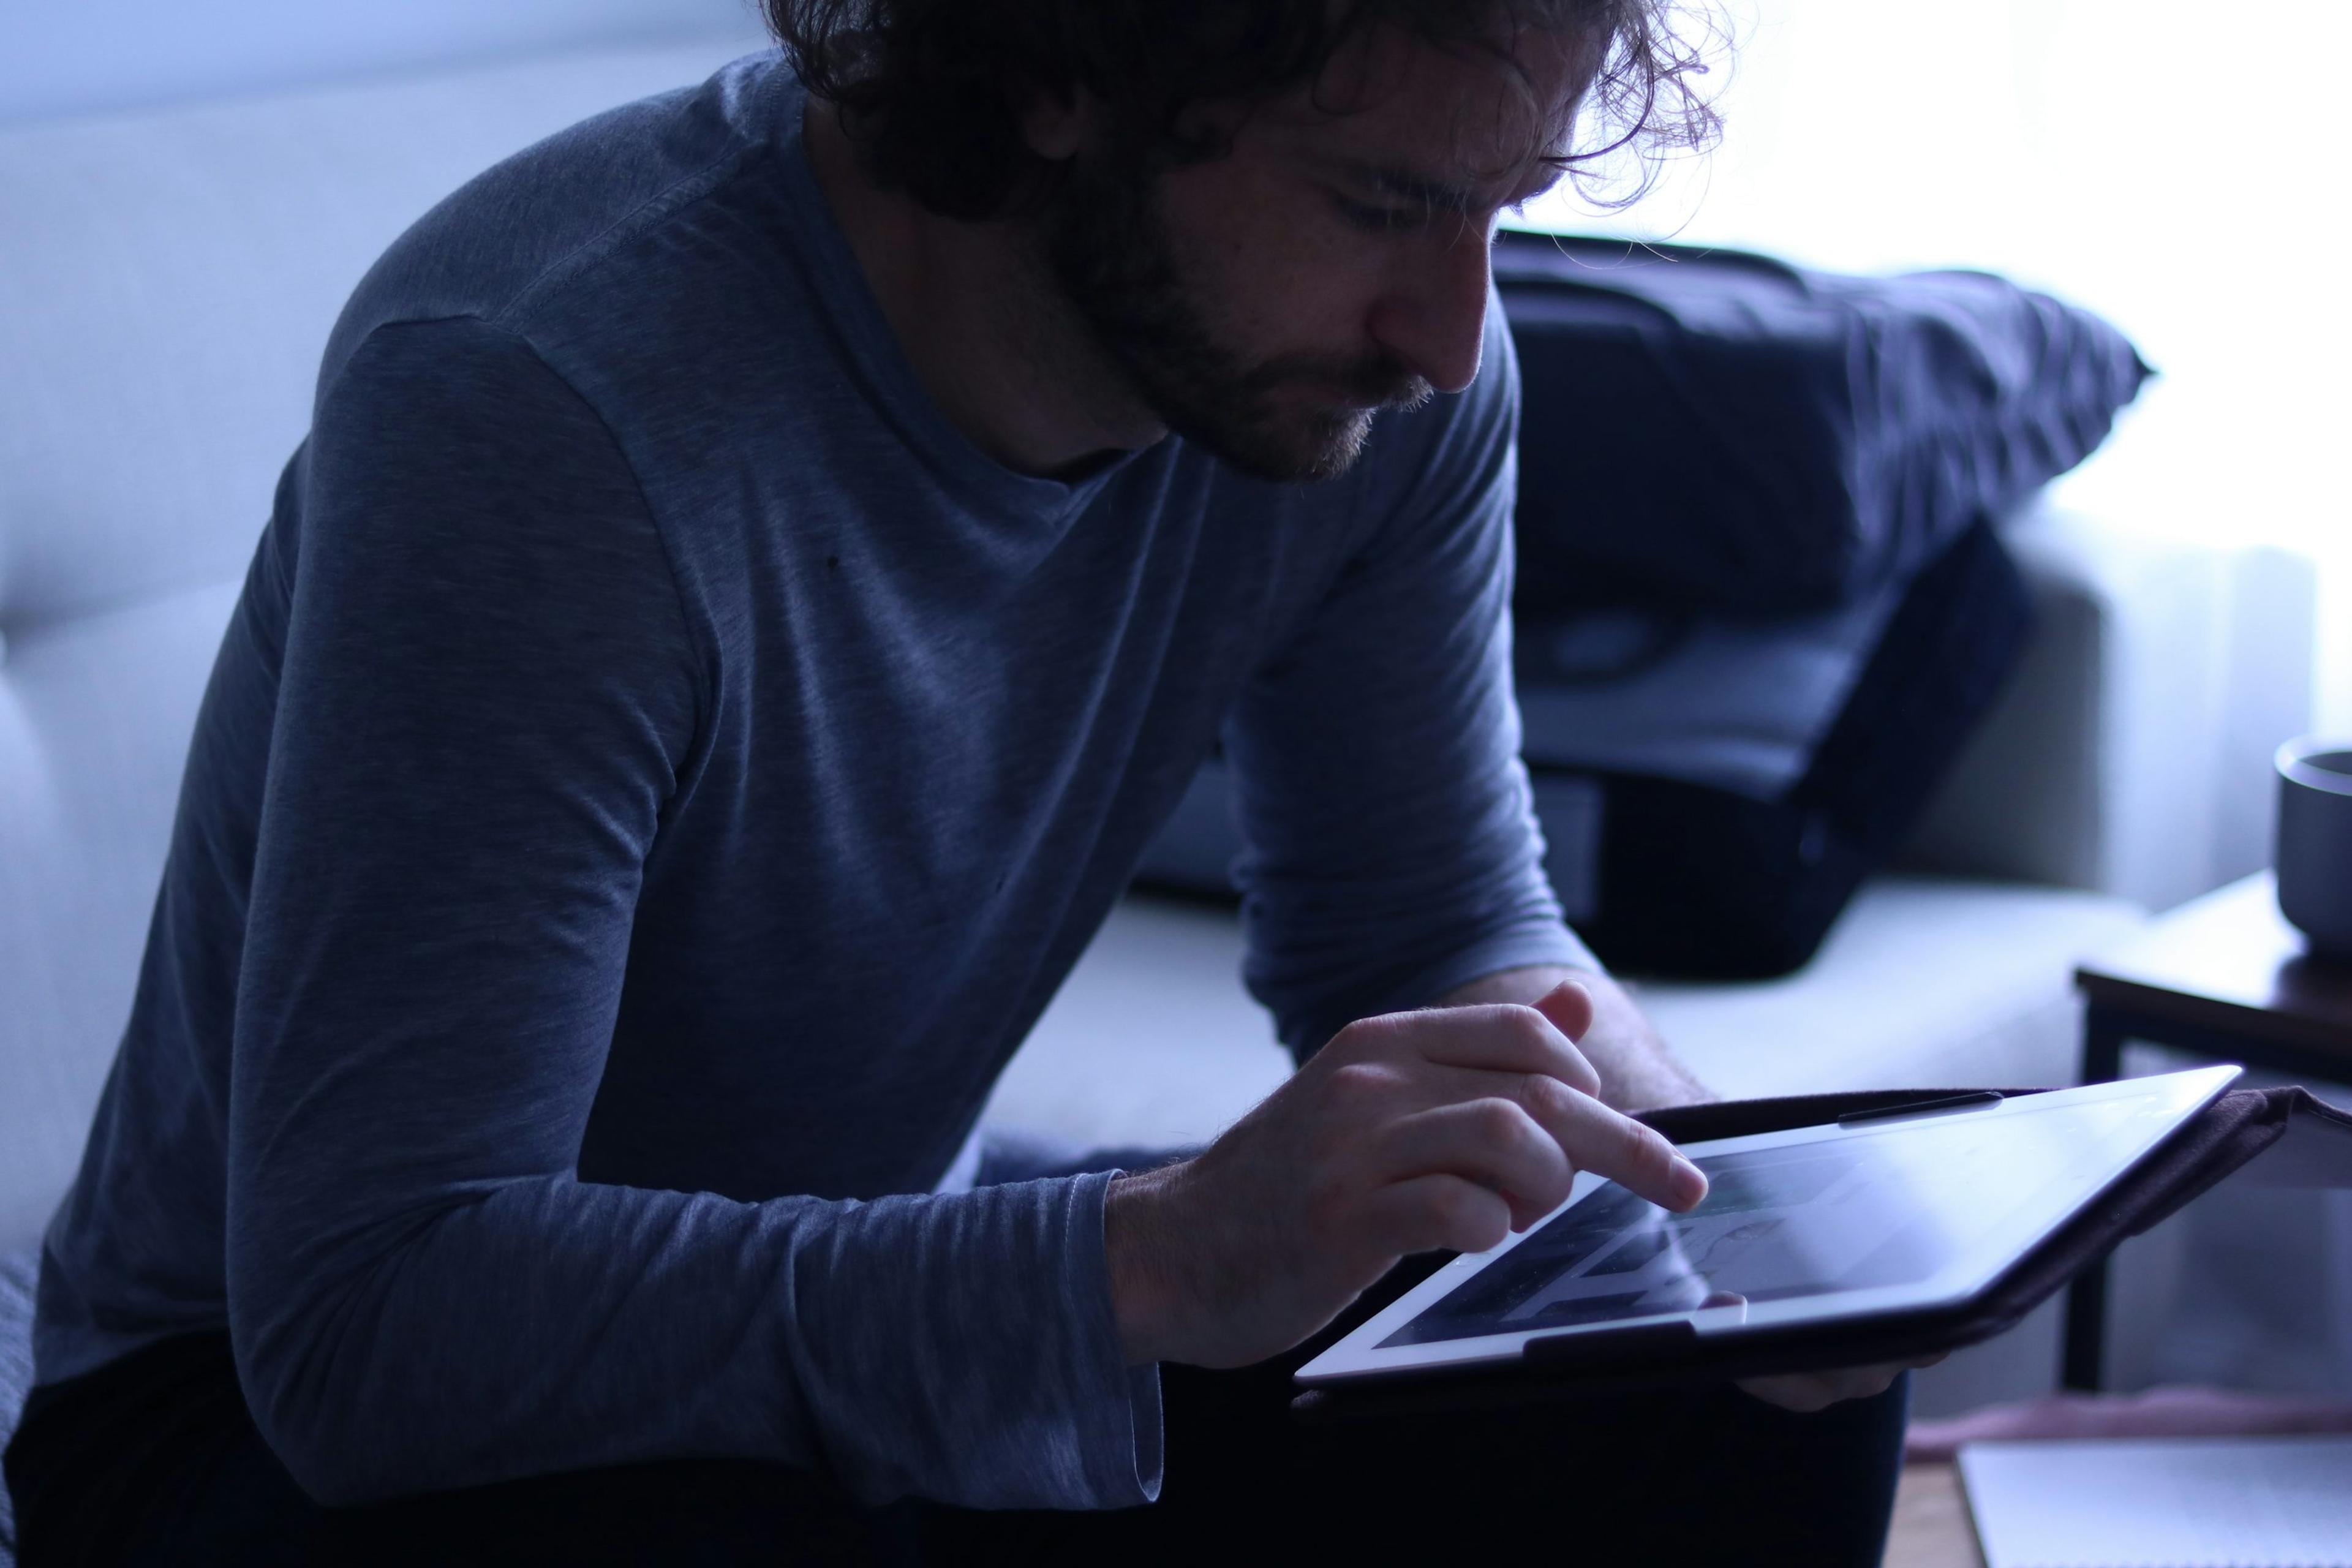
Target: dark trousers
[[155, 1460]]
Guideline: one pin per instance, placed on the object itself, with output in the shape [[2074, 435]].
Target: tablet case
[[2300, 1140]]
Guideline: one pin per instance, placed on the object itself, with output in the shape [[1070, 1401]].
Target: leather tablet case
[[2279, 1137]]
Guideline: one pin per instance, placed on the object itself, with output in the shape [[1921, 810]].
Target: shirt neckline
[[880, 361]]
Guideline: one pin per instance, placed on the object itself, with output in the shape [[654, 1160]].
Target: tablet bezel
[[2177, 1097]]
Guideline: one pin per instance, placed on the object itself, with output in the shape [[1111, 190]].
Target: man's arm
[[1638, 1071], [1393, 859], [490, 687], [1392, 852]]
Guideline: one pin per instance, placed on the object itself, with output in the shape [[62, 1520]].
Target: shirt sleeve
[[490, 694], [1391, 851]]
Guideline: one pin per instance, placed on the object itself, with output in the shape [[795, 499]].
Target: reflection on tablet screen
[[1846, 1213]]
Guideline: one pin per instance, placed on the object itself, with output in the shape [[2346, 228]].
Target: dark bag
[[1701, 881], [1666, 876]]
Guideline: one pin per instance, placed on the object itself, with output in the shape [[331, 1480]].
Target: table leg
[[2103, 1045], [2081, 1364]]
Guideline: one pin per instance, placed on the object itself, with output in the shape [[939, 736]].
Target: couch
[[167, 281]]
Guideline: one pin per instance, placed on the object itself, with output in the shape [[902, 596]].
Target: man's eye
[[1380, 220]]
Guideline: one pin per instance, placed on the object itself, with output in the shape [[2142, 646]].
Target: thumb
[[1568, 1008]]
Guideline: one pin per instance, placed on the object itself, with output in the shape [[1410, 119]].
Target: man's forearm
[[1638, 1072]]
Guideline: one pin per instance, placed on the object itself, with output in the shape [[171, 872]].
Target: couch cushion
[[2132, 753], [1152, 1041], [94, 719], [166, 290], [1923, 980], [168, 284]]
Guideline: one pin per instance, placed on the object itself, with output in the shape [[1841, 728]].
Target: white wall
[[78, 57]]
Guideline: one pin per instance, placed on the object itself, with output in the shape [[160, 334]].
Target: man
[[764, 563]]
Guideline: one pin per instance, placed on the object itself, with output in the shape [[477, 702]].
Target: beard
[[1111, 255]]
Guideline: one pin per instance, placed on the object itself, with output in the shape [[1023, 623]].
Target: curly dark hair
[[933, 88]]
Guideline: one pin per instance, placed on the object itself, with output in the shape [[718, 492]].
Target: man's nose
[[1432, 317]]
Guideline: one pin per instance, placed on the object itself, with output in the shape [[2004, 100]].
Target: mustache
[[1378, 382]]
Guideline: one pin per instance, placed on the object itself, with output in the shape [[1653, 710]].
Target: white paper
[[2168, 1502]]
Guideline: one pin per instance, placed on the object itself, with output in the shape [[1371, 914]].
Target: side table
[[2222, 976]]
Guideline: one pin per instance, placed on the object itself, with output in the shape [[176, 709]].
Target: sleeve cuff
[[1119, 1430]]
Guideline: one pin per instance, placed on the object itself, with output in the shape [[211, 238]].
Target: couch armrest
[[2130, 754]]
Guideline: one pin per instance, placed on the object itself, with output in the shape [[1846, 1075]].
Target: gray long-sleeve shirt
[[658, 771]]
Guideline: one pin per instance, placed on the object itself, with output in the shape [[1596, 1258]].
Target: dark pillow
[[1722, 430]]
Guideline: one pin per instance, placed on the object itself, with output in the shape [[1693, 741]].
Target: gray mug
[[2315, 841]]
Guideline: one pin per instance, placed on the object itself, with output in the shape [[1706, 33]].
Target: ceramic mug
[[2315, 841]]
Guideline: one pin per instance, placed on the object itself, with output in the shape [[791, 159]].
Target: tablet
[[1917, 1208]]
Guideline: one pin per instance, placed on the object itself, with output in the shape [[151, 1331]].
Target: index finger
[[1637, 1158], [1503, 1037]]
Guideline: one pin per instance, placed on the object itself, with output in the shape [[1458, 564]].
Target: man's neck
[[979, 317]]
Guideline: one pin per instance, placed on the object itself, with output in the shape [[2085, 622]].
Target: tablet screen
[[1857, 1211]]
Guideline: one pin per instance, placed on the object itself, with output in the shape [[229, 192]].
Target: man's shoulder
[[1445, 461], [1470, 426], [548, 242]]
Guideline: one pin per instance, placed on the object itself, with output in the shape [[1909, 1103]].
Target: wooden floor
[[1931, 1522]]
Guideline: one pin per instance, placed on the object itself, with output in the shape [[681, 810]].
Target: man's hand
[[1806, 1391], [1638, 1072], [1407, 1133]]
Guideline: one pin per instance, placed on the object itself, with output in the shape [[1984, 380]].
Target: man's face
[[1266, 304]]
